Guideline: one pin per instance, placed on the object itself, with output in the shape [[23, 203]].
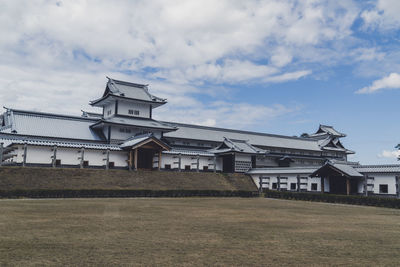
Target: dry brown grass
[[64, 178], [196, 231]]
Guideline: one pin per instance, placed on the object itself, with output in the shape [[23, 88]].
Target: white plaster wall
[[389, 179], [326, 185], [125, 106], [119, 158], [111, 107], [242, 157], [312, 180], [39, 154], [68, 156], [95, 157], [187, 160], [117, 135]]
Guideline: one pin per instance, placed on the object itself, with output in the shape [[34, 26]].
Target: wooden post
[[298, 183], [233, 163], [135, 158], [198, 163], [215, 163], [366, 185], [82, 157], [1, 153], [24, 155], [279, 182], [107, 159], [322, 185], [348, 186], [398, 186], [54, 157], [130, 159], [159, 160], [179, 161]]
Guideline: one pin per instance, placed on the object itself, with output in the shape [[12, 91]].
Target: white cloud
[[53, 51], [392, 81], [289, 76], [389, 154], [224, 114], [170, 37], [384, 15]]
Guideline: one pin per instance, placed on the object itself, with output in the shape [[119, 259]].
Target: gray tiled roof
[[8, 141], [347, 169], [130, 91], [327, 130], [240, 146], [393, 168], [195, 132], [147, 123], [189, 152], [135, 140], [50, 125]]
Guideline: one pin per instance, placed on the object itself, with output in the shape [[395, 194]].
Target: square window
[[167, 166], [136, 112], [130, 111], [58, 162], [205, 168], [314, 187], [293, 186], [85, 163], [187, 167], [111, 164], [274, 185], [383, 189]]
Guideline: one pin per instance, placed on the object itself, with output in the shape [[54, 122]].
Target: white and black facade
[[124, 135]]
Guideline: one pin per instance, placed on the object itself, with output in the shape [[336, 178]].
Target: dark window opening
[[274, 185], [314, 187], [58, 162], [167, 166], [383, 188], [292, 186], [187, 167], [205, 168], [111, 164], [85, 163], [125, 130]]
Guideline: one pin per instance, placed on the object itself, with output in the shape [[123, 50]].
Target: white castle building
[[126, 136]]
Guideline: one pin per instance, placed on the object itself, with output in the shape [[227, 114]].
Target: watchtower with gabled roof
[[127, 111], [127, 99]]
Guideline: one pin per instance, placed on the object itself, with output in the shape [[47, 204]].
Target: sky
[[280, 67]]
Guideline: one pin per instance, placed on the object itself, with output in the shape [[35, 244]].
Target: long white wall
[[68, 156], [382, 179], [172, 160]]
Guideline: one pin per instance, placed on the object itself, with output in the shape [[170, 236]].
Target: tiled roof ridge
[[239, 131], [48, 114], [377, 165]]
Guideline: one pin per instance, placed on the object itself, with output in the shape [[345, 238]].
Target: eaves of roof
[[96, 101], [108, 122]]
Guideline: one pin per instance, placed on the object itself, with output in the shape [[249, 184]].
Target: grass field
[[195, 231]]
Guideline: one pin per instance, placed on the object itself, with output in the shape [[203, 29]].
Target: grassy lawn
[[196, 231]]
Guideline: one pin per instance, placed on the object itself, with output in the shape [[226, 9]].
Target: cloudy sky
[[279, 67]]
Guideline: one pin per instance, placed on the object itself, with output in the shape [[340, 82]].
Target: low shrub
[[87, 193], [343, 199]]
